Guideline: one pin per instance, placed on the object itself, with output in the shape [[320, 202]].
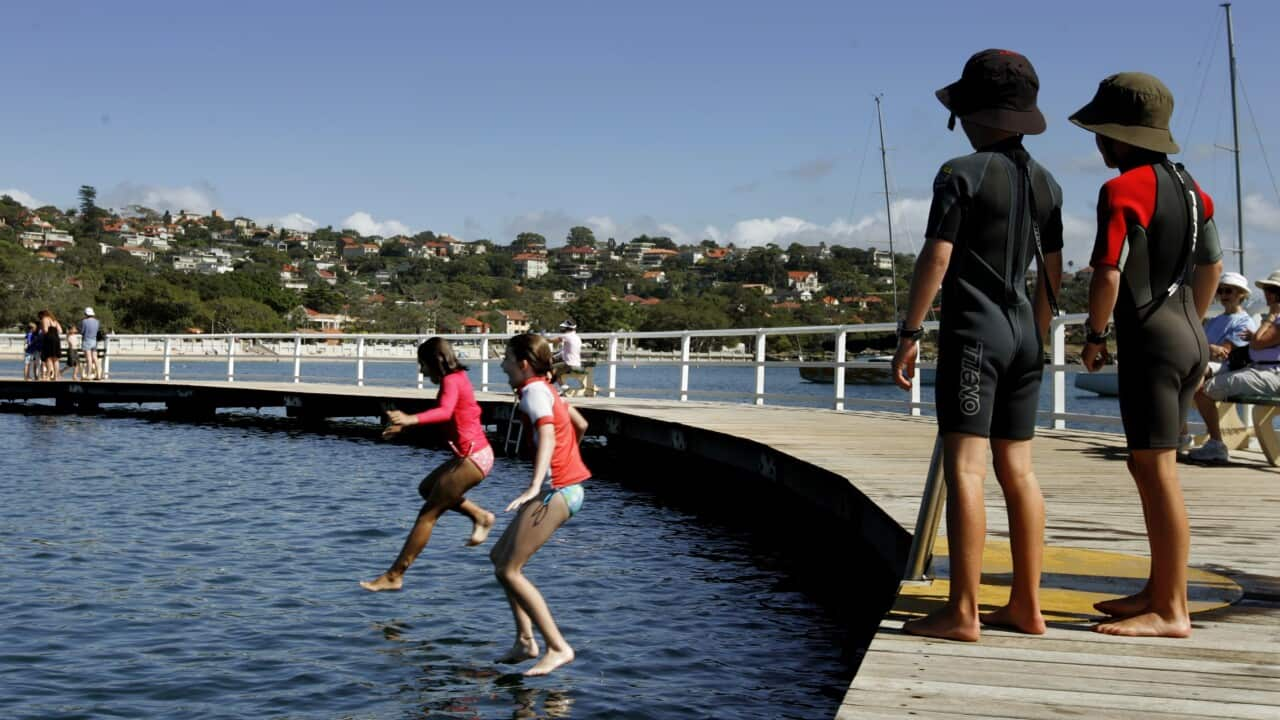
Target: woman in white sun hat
[[1260, 376]]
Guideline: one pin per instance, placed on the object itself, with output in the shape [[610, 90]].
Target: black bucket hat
[[1131, 107], [998, 89]]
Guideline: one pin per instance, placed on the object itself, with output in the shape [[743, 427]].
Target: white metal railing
[[743, 347]]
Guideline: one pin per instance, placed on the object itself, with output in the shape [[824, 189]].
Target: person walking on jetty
[[1156, 262], [1258, 373], [446, 487], [993, 211], [90, 326], [32, 364], [557, 428]]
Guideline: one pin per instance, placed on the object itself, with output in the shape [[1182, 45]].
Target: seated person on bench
[[569, 359], [1260, 376]]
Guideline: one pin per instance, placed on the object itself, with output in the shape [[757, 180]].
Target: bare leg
[[1025, 505], [1209, 411], [1169, 535], [531, 528], [525, 646], [1137, 602], [965, 464], [447, 484]]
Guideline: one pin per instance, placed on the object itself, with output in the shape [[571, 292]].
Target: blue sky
[[743, 121]]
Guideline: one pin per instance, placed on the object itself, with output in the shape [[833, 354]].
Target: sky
[[745, 122]]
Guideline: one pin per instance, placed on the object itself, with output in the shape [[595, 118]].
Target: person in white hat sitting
[[569, 358], [1260, 376]]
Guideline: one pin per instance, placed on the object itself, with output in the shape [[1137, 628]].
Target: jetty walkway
[[867, 469]]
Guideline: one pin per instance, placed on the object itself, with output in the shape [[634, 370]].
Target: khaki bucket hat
[[1271, 282], [1131, 107]]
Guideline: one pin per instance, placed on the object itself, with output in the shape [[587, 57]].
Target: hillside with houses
[[151, 271]]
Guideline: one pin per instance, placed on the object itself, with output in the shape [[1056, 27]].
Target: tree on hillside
[[89, 213], [525, 240], [595, 310], [580, 236], [239, 315]]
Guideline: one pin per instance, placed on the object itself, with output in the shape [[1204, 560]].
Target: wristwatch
[[906, 333], [1096, 338]]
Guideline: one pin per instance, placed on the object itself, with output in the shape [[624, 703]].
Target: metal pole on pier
[[1235, 139], [888, 214]]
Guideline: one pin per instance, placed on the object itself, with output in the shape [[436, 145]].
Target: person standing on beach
[[1156, 262], [557, 428], [89, 328], [993, 212], [446, 487]]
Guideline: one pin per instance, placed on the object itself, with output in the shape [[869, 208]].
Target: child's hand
[[391, 431], [524, 498]]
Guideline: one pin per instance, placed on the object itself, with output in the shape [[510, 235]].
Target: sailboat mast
[[888, 214], [1235, 139]]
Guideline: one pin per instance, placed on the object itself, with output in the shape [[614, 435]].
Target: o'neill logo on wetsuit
[[971, 379]]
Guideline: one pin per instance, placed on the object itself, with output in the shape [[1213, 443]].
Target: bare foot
[[520, 651], [552, 660], [383, 582], [946, 624], [1148, 624], [1126, 606], [1015, 618], [480, 530]]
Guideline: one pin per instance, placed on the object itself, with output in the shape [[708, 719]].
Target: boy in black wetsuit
[[993, 211], [1156, 262]]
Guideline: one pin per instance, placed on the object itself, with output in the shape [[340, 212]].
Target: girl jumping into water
[[540, 511], [445, 488]]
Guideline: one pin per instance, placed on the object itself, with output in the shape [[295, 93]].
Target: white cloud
[[200, 197], [363, 223], [23, 198], [1261, 214], [293, 221]]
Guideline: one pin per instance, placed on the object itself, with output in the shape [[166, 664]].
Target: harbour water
[[159, 569]]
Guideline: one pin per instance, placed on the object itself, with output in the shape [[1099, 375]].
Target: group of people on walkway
[[43, 349], [1156, 264], [555, 428]]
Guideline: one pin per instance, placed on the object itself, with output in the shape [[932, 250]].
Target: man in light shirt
[[89, 327], [569, 359]]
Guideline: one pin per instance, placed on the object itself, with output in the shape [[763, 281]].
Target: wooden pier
[[1229, 668]]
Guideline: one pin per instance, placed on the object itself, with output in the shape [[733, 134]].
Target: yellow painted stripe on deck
[[1072, 581]]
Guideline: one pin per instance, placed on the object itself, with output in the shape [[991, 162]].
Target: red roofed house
[[801, 280], [531, 265], [472, 326], [514, 322]]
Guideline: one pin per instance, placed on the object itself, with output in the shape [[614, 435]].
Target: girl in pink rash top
[[445, 488]]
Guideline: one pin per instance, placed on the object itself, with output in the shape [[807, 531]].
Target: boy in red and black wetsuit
[[1156, 263]]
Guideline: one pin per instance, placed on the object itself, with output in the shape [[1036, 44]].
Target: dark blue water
[[155, 569]]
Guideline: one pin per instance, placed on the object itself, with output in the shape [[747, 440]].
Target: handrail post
[[916, 382], [761, 345], [613, 365], [168, 353], [838, 377], [684, 367], [418, 367], [484, 366], [920, 558], [360, 361], [231, 358], [106, 358], [297, 358], [1059, 374]]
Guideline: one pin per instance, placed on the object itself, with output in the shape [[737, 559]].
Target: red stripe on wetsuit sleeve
[[1124, 201]]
